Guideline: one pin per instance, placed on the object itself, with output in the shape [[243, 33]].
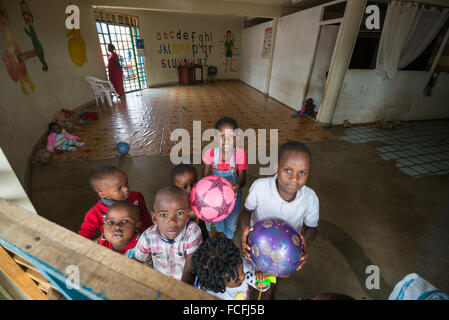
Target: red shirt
[[96, 216], [131, 244], [240, 160]]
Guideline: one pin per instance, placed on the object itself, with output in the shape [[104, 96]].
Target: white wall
[[365, 97], [253, 66], [325, 49], [161, 66], [296, 38], [10, 187], [24, 118]]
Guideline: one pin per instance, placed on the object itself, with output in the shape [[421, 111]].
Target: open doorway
[[123, 33], [323, 57]]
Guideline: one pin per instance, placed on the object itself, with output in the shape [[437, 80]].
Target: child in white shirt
[[285, 196]]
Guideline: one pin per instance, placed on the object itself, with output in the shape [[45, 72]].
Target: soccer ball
[[212, 198]]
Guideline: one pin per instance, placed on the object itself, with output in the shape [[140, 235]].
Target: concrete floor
[[370, 214]]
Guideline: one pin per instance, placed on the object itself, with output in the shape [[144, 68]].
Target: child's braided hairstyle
[[216, 262]]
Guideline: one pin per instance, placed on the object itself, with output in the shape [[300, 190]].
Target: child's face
[[234, 283], [120, 225], [227, 137], [293, 171], [228, 35], [186, 181], [56, 128], [170, 214], [114, 187]]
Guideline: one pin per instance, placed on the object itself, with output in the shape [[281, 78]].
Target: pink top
[[303, 109], [241, 160], [51, 140]]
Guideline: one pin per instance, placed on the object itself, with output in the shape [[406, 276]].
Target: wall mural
[[38, 49], [77, 47], [196, 52], [229, 44], [16, 67]]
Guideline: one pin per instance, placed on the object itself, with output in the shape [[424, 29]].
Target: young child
[[169, 244], [121, 228], [231, 163], [111, 185], [59, 139], [308, 109], [221, 270], [285, 196], [185, 177]]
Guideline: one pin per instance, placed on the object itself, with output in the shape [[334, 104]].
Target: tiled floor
[[418, 148], [146, 118]]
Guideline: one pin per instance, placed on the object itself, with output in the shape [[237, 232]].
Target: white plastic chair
[[101, 88]]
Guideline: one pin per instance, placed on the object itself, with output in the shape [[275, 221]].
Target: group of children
[[173, 241]]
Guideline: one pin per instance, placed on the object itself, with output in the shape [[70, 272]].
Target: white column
[[349, 29]]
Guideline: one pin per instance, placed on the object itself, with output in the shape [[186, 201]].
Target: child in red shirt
[[111, 185], [121, 228]]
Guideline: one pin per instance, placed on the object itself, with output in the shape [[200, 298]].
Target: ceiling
[[261, 2], [280, 3], [246, 9]]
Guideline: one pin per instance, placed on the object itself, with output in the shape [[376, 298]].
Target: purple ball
[[275, 247]]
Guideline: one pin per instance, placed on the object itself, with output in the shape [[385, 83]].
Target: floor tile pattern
[[418, 148]]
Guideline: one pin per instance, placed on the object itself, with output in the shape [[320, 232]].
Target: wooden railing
[[45, 250]]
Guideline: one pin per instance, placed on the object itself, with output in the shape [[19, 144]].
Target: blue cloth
[[414, 287], [228, 225]]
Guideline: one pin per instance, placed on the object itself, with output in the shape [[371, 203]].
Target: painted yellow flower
[[255, 251], [267, 224], [295, 240]]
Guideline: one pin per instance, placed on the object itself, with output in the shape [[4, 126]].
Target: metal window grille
[[122, 31]]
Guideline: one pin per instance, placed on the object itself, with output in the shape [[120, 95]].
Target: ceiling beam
[[440, 3], [192, 6]]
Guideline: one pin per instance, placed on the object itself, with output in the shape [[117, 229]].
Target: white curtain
[[398, 23], [426, 26], [408, 30]]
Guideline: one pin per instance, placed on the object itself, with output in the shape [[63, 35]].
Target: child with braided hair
[[221, 270]]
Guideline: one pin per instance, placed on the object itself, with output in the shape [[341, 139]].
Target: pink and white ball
[[212, 198]]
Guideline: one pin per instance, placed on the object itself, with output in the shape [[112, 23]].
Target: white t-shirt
[[242, 291], [266, 202]]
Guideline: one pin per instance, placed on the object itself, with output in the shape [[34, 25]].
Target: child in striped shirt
[[169, 244]]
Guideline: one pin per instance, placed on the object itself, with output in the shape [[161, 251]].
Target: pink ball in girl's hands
[[212, 198]]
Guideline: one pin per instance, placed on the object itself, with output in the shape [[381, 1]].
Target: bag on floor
[[413, 287]]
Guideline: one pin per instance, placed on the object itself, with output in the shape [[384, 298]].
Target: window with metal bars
[[122, 33]]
